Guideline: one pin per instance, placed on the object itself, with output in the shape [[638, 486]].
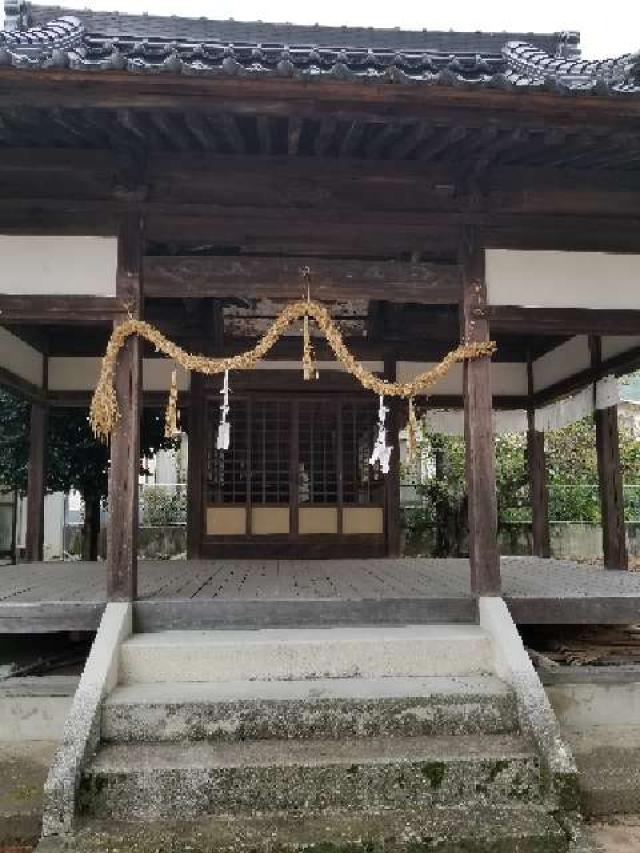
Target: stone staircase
[[334, 740]]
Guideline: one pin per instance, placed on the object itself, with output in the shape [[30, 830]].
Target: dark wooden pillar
[[538, 489], [610, 478], [611, 496], [195, 467], [392, 481], [478, 427], [124, 471], [36, 483]]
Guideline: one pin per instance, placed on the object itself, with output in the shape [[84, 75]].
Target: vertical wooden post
[[538, 489], [478, 427], [36, 482], [392, 483], [124, 471], [610, 478], [195, 466]]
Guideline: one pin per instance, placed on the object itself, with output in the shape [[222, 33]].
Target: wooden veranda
[[48, 597]]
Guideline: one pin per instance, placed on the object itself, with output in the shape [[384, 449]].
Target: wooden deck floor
[[71, 595]]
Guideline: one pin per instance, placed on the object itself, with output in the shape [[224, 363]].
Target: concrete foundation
[[35, 709], [599, 710]]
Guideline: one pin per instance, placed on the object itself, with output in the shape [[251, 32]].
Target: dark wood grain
[[36, 483], [254, 278], [122, 531], [479, 442], [609, 476], [537, 469], [195, 467]]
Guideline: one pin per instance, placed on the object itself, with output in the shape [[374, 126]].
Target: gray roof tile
[[94, 41]]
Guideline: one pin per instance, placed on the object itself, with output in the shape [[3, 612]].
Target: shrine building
[[414, 194]]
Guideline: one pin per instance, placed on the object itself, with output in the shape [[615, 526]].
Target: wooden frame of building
[[437, 197]]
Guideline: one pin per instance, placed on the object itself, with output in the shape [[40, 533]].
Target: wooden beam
[[538, 489], [253, 278], [478, 425], [36, 484], [243, 96], [124, 471], [59, 309], [196, 467], [609, 477], [392, 480], [563, 321]]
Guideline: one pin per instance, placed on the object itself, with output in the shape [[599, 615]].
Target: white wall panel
[[20, 359], [58, 266], [569, 358], [616, 344], [68, 373], [81, 374], [449, 384], [507, 378], [157, 375], [540, 279]]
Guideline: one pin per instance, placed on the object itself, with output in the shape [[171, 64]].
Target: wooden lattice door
[[297, 471]]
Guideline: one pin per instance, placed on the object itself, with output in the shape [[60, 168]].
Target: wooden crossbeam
[[81, 310], [564, 321], [282, 97], [249, 277]]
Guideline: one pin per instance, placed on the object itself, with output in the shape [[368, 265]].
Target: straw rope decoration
[[104, 413]]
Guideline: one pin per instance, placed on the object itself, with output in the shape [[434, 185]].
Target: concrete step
[[413, 650], [481, 829], [321, 708], [188, 780]]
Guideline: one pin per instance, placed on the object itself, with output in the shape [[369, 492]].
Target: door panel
[[297, 470]]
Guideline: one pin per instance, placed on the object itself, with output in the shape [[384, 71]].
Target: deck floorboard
[[537, 590]]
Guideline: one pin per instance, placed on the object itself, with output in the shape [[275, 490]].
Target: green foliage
[[14, 441], [162, 507], [75, 459], [572, 472]]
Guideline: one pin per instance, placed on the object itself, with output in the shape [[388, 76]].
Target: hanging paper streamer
[[224, 428], [381, 450], [172, 416]]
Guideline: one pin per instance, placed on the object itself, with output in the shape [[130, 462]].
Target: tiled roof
[[155, 27], [515, 64]]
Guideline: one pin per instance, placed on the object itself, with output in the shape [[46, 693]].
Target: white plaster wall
[[543, 279], [20, 359], [58, 266], [73, 373], [507, 378], [616, 344], [156, 373], [70, 373], [563, 361], [449, 384]]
